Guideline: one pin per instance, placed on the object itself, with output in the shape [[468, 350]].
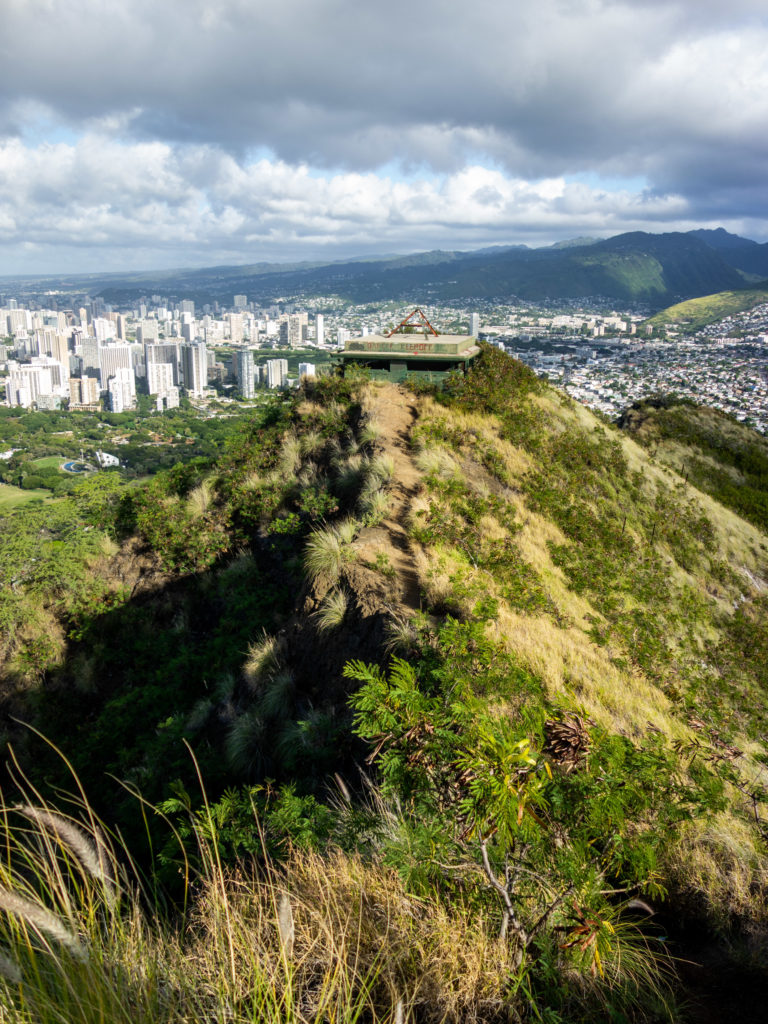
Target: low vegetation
[[486, 801], [693, 314], [712, 451]]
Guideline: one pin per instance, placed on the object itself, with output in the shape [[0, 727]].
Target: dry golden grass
[[324, 930], [723, 855], [437, 460], [566, 659], [719, 861], [486, 428], [263, 660], [314, 940], [569, 663], [252, 481], [108, 547], [199, 499], [289, 456], [448, 581]]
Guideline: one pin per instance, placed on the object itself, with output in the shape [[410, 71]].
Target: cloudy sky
[[168, 133]]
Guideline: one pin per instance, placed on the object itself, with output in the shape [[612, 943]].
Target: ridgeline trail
[[394, 413]]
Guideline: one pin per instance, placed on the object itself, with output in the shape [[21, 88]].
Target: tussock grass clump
[[403, 635], [289, 459], [252, 481], [277, 694], [369, 433], [245, 742], [263, 659], [324, 555], [436, 461], [373, 503], [350, 473], [332, 611], [328, 551], [312, 443], [380, 468], [200, 498], [720, 863]]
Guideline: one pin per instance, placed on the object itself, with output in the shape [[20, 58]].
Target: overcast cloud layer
[[185, 132]]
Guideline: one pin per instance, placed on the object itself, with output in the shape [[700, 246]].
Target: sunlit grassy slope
[[617, 583], [475, 682], [696, 313]]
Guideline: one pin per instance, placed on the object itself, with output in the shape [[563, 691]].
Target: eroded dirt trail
[[394, 412]]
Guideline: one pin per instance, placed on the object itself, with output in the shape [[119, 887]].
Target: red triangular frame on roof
[[408, 323]]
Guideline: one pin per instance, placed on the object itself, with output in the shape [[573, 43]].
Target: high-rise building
[[60, 348], [163, 352], [160, 382], [89, 353], [159, 377], [41, 376], [19, 321], [113, 358], [41, 342], [306, 370], [474, 324], [235, 326], [103, 330], [293, 329], [277, 372], [147, 330], [122, 390], [194, 367], [244, 370], [240, 302], [251, 328], [83, 391]]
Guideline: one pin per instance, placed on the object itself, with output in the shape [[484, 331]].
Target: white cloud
[[486, 110], [108, 204]]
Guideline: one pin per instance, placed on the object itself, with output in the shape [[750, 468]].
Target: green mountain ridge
[[637, 267], [633, 267], [475, 683]]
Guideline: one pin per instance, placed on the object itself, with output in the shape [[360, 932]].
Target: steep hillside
[[693, 314], [476, 686], [717, 454], [742, 253]]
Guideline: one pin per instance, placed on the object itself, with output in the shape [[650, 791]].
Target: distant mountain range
[[654, 269]]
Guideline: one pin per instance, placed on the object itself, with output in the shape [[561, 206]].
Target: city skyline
[[219, 131]]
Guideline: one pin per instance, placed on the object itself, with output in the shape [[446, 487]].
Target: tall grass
[[314, 939], [328, 551], [263, 659], [332, 611], [200, 498]]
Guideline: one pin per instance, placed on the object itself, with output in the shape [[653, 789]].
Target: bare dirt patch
[[394, 412]]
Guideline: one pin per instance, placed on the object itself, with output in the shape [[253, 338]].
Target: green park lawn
[[14, 497]]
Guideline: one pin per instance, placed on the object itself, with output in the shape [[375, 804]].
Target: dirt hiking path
[[394, 412]]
